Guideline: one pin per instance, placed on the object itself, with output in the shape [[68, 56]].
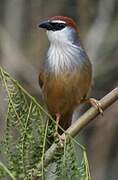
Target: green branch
[[7, 171], [76, 127]]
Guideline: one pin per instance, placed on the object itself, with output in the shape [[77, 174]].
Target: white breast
[[63, 57]]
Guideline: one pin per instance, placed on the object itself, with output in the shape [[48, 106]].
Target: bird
[[66, 73]]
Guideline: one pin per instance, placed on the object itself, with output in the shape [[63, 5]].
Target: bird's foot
[[59, 139], [95, 103]]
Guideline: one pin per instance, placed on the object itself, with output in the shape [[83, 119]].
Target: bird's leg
[[57, 121], [61, 140], [95, 103]]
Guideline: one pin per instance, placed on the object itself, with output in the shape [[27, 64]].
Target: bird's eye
[[61, 25], [57, 26]]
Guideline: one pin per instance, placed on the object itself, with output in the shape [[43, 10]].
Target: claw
[[95, 103], [59, 139]]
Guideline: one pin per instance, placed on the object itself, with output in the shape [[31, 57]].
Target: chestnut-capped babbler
[[66, 73]]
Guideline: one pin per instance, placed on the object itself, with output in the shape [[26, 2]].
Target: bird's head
[[60, 29]]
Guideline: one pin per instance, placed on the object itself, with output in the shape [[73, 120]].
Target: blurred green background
[[23, 47]]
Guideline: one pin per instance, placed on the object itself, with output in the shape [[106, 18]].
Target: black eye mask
[[52, 26], [57, 26]]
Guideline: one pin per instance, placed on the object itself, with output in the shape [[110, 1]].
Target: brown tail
[[65, 122]]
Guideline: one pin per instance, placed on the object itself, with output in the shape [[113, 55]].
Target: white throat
[[63, 54], [64, 35]]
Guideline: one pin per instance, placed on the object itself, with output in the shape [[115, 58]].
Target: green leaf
[[26, 133]]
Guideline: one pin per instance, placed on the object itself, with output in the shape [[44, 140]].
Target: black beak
[[46, 25]]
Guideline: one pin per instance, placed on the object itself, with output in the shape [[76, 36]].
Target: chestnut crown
[[57, 23]]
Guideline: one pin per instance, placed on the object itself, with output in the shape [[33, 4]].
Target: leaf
[[24, 142]]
